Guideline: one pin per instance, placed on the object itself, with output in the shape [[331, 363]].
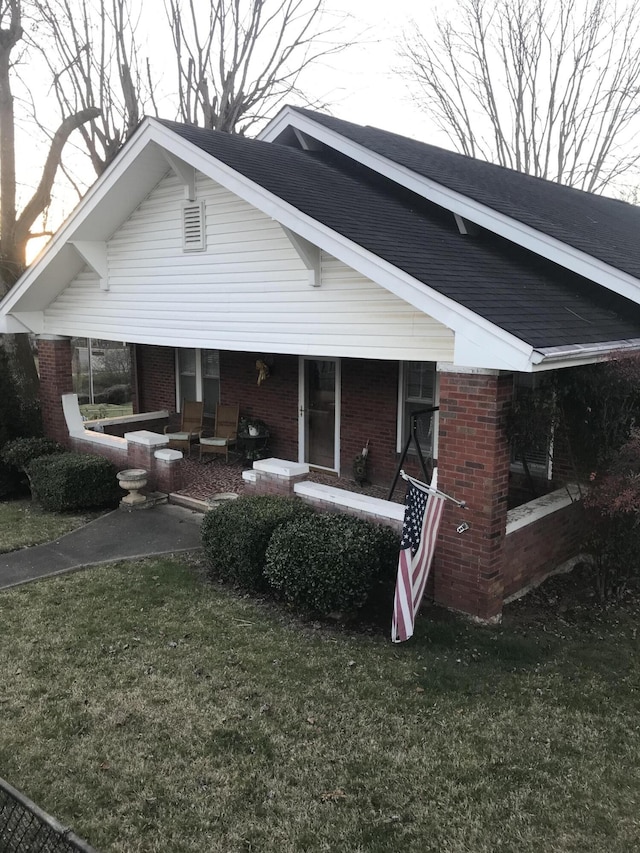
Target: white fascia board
[[94, 198], [499, 223], [467, 325], [553, 358]]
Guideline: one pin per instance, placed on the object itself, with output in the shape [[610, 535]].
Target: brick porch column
[[473, 465], [54, 367]]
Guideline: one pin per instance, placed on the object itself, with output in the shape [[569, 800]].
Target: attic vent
[[193, 230]]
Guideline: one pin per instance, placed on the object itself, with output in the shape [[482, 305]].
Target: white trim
[[94, 254], [522, 516], [185, 173], [308, 254], [499, 223], [381, 509]]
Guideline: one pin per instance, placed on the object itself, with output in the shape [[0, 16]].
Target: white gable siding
[[248, 290]]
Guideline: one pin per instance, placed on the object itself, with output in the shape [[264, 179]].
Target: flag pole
[[425, 488]]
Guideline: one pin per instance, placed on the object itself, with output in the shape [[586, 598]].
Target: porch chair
[[190, 426], [225, 433]]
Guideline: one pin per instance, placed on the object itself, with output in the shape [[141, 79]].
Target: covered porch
[[474, 572]]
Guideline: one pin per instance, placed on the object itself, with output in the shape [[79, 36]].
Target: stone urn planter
[[133, 479]]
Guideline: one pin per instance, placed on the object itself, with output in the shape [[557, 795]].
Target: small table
[[251, 446]]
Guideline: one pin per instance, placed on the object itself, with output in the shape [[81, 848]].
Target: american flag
[[421, 522]]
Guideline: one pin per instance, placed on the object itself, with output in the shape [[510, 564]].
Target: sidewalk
[[119, 535]]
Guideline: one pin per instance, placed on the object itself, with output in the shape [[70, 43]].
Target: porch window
[[417, 391], [102, 377], [538, 451], [198, 375]]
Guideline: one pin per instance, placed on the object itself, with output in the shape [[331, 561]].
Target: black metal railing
[[26, 828]]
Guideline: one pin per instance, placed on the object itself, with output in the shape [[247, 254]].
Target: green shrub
[[71, 481], [22, 451], [329, 563], [235, 535]]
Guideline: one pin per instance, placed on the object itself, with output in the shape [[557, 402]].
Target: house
[[373, 275]]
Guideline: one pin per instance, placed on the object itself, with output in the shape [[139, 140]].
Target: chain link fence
[[25, 828]]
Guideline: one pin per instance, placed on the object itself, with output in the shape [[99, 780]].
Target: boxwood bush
[[22, 451], [72, 481], [329, 563], [236, 534]]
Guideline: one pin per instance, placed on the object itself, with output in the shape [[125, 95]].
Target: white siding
[[248, 290]]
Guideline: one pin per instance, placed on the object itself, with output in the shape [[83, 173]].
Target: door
[[320, 412]]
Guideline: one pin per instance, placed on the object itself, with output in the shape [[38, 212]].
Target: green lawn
[[23, 523], [155, 712]]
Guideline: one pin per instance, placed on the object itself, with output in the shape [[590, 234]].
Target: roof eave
[[553, 358]]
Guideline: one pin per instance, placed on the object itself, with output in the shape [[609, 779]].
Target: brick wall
[[54, 367], [369, 412], [532, 552], [275, 401], [473, 466], [156, 378]]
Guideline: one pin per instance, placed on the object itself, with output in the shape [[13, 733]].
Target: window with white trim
[[417, 391], [198, 377]]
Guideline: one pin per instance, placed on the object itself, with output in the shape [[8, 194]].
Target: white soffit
[[511, 229]]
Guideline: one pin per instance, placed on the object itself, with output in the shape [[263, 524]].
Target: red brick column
[[54, 367], [473, 465]]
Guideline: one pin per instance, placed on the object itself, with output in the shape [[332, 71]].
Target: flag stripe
[[420, 531]]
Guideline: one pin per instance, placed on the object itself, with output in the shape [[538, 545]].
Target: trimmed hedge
[[72, 481], [22, 451], [329, 563], [235, 535]]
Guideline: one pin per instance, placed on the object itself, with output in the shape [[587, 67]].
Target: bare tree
[[548, 87], [91, 52], [15, 224], [241, 61]]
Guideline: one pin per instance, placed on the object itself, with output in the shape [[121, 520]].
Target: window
[[102, 377], [417, 391], [536, 399], [198, 375]]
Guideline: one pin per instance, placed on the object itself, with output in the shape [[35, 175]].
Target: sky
[[357, 84]]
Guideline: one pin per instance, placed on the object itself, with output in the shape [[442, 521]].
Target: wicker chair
[[190, 427], [225, 434]]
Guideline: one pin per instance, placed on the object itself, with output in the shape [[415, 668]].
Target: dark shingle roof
[[603, 227], [533, 299]]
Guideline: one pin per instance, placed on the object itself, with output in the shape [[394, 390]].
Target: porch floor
[[203, 480]]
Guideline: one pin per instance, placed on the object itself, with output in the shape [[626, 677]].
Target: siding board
[[248, 290]]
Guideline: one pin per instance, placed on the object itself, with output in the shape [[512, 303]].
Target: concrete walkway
[[119, 535]]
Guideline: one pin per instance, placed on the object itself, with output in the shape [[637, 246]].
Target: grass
[[153, 711], [23, 523], [92, 411]]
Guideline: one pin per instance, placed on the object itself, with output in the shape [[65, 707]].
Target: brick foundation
[[534, 551]]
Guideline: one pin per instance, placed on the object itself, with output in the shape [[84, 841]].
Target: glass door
[[319, 412]]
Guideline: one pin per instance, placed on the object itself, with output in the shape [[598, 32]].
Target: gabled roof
[[339, 186], [529, 297], [598, 225]]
